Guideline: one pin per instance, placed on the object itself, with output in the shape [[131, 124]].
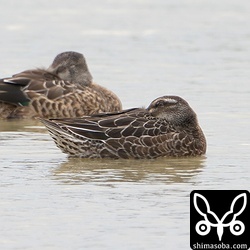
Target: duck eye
[[159, 104], [60, 69], [165, 103]]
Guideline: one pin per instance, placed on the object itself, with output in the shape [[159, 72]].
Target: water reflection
[[105, 171], [27, 125]]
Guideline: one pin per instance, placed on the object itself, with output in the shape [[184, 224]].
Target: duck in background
[[64, 90]]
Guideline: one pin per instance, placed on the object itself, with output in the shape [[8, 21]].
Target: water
[[141, 50]]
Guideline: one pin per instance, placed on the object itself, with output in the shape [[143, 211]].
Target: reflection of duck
[[108, 171], [28, 125], [65, 89], [168, 127]]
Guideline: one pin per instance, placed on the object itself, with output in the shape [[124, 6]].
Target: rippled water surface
[[141, 50]]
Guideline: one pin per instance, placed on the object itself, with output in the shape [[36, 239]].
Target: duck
[[64, 90], [168, 127]]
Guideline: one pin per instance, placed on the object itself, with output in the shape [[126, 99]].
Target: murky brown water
[[141, 50]]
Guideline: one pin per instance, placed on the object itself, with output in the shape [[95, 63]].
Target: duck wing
[[131, 122], [12, 89]]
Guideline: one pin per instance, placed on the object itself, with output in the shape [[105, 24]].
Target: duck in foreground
[[63, 90], [168, 127]]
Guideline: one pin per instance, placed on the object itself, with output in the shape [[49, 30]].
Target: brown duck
[[63, 90], [168, 127]]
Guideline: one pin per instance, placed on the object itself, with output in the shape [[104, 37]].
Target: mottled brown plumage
[[64, 90], [168, 127]]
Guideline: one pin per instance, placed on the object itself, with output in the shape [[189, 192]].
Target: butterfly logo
[[203, 227]]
